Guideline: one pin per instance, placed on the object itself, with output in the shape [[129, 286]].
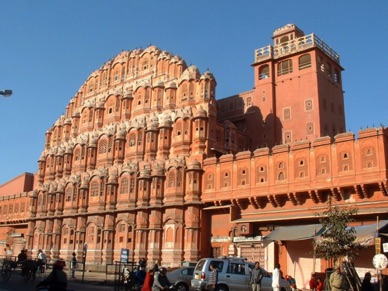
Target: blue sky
[[49, 48]]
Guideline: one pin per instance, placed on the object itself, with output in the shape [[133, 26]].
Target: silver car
[[181, 277], [233, 275]]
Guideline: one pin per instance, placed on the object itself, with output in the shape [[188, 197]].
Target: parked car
[[181, 277], [233, 275]]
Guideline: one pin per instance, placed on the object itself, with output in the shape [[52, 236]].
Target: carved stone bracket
[[383, 188], [293, 198], [253, 202], [313, 196], [273, 200], [337, 194], [236, 202], [360, 191]]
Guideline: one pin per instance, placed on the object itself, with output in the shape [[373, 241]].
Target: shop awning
[[295, 232], [364, 233], [369, 229]]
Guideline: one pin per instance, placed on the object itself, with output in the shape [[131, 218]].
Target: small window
[[310, 128], [304, 62], [264, 72], [285, 67]]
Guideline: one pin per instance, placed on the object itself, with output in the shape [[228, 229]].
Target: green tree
[[338, 239]]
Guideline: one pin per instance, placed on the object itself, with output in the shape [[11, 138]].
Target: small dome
[[195, 164], [201, 112], [171, 85], [207, 75], [191, 73]]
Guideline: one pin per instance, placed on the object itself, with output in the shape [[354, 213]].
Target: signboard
[[378, 245], [380, 261], [124, 255], [385, 247]]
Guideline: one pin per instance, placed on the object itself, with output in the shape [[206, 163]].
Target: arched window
[[94, 188], [304, 62], [264, 72], [285, 67], [102, 147], [124, 186], [69, 194]]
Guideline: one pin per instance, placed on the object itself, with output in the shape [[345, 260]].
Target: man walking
[[73, 265], [256, 276], [276, 278], [336, 279]]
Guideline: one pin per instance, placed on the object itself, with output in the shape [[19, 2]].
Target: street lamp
[[6, 93]]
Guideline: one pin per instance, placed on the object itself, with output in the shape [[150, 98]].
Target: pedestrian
[[161, 281], [127, 278], [73, 265], [336, 279], [313, 282], [57, 279], [276, 278], [22, 256], [142, 262], [41, 261], [140, 277], [213, 278], [256, 277], [148, 281], [156, 266], [366, 284], [319, 284], [292, 282]]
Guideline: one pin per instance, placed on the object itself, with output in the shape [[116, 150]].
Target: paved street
[[92, 282]]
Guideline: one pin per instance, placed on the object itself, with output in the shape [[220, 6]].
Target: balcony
[[293, 46]]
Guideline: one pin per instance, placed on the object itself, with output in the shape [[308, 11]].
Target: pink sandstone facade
[[145, 158]]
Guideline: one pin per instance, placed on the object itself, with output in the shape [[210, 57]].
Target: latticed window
[[179, 178], [102, 147], [132, 140], [124, 186], [171, 178], [132, 184], [69, 193], [94, 189], [110, 144], [140, 138]]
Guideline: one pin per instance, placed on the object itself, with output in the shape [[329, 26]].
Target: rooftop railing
[[293, 46]]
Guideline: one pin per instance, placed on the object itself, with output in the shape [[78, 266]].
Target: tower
[[298, 88]]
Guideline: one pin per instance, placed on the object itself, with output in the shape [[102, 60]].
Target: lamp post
[[6, 93]]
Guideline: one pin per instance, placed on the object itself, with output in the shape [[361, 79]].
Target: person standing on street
[[256, 276], [57, 279], [336, 279], [313, 282], [366, 284], [276, 278], [73, 265], [161, 281], [41, 261], [213, 278]]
